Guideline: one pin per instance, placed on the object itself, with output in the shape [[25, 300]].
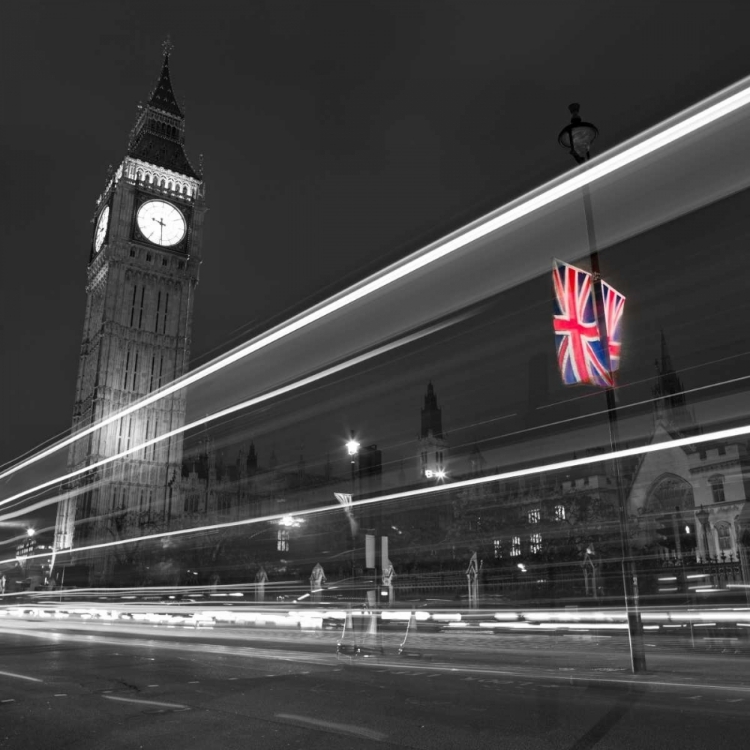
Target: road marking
[[21, 676], [193, 682], [233, 678], [146, 703], [152, 686], [369, 734], [60, 695], [8, 700]]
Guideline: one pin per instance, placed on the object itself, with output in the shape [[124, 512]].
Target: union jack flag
[[580, 353], [614, 304]]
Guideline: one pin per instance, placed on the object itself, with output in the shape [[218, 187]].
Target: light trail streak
[[160, 704], [233, 409], [333, 726], [21, 676], [422, 491], [680, 126]]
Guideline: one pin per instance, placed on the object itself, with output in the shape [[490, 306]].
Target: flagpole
[[578, 137]]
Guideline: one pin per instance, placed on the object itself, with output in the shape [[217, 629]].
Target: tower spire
[[159, 134], [162, 97], [670, 405], [432, 419]]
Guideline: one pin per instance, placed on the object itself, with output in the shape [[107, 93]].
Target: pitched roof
[[162, 97], [154, 149]]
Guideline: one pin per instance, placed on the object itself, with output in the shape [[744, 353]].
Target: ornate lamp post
[[578, 137], [352, 449], [702, 516]]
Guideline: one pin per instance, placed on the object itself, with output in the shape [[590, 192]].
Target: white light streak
[[161, 704], [552, 467], [681, 126], [21, 676], [233, 409]]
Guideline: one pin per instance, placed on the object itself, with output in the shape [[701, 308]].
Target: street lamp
[[702, 516], [289, 521], [352, 448], [577, 137]]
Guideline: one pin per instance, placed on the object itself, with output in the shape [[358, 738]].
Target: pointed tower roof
[[162, 97], [158, 137], [432, 418], [670, 405]]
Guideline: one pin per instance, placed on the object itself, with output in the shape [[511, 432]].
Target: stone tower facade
[[142, 272], [432, 447]]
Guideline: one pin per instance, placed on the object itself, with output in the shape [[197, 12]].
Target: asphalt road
[[62, 688]]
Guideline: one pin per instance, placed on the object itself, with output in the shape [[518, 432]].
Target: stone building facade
[[142, 272]]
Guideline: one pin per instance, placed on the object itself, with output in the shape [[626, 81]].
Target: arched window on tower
[[716, 482]]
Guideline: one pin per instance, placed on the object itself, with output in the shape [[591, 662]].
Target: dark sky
[[337, 136]]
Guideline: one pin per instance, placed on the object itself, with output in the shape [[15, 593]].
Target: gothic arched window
[[668, 492]]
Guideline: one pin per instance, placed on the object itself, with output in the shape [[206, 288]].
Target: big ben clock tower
[[142, 272]]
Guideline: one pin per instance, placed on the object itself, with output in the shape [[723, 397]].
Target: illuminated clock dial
[[161, 223], [101, 229]]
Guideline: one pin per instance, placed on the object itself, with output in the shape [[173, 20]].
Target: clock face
[[161, 223], [101, 229]]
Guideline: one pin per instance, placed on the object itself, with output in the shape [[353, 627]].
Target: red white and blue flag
[[580, 353], [614, 304]]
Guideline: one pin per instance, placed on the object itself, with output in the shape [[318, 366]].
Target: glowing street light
[[30, 532], [289, 521], [435, 473], [352, 447]]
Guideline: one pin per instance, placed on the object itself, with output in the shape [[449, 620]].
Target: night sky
[[337, 137]]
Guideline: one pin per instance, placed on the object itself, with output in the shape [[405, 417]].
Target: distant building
[[432, 447]]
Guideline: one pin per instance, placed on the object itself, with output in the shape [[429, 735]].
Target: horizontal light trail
[[353, 362], [333, 726], [716, 107], [160, 704], [422, 491], [21, 676]]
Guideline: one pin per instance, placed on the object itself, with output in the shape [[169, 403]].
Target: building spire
[[432, 418], [162, 97], [670, 405], [159, 134]]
